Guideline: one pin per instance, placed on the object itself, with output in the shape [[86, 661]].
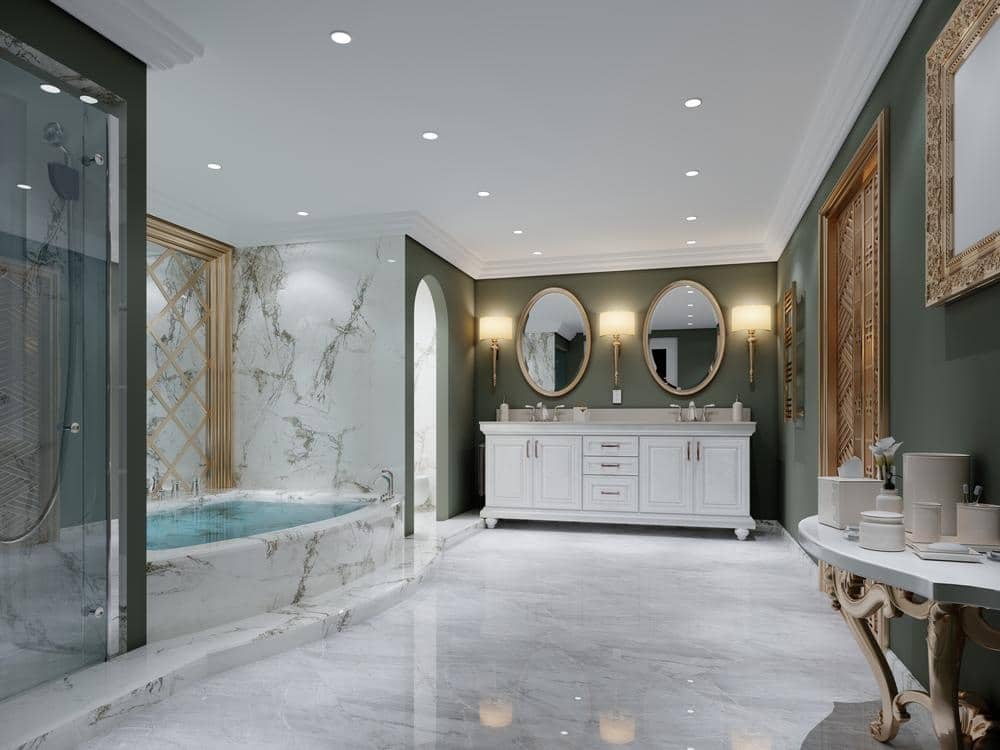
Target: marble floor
[[548, 636]]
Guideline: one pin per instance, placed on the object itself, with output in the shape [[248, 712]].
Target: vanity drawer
[[610, 466], [611, 445], [611, 493]]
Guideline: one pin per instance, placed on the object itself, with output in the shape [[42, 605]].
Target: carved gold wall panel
[[189, 359], [853, 406]]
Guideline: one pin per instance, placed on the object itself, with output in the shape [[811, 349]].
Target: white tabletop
[[959, 582]]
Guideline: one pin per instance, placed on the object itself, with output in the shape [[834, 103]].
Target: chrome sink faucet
[[390, 481]]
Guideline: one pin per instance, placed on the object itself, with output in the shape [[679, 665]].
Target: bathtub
[[231, 555]]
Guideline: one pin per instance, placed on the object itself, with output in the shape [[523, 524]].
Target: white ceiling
[[568, 111]]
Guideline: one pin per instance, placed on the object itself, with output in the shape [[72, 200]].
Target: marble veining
[[529, 636], [424, 392], [539, 350], [318, 357]]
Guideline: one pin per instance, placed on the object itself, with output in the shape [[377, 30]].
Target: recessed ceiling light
[[483, 193], [692, 173], [390, 260], [214, 166], [690, 304], [536, 252], [302, 213], [578, 697], [691, 291], [690, 710], [88, 99], [690, 324], [23, 186], [692, 102], [690, 315], [48, 88], [340, 37], [429, 135], [692, 242], [690, 218], [518, 231]]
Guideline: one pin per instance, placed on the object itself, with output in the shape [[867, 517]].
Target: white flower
[[884, 450]]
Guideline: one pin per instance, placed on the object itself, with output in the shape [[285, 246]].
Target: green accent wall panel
[[943, 362]]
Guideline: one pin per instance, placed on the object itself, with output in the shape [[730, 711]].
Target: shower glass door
[[54, 263]]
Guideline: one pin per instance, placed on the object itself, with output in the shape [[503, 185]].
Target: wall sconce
[[617, 323], [752, 318], [617, 728], [495, 329]]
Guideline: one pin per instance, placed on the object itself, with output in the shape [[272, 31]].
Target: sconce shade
[[497, 327], [617, 323], [752, 318]]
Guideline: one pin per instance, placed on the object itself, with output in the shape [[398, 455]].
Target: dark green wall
[[456, 443], [48, 29], [943, 362], [634, 290]]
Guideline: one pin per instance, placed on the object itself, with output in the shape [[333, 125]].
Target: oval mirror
[[553, 342], [684, 338]]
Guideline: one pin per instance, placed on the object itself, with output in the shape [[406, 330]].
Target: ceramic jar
[[889, 500], [978, 523], [882, 530], [926, 522]]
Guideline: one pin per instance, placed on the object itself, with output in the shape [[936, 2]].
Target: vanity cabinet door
[[720, 476], [508, 471], [665, 466], [558, 471]]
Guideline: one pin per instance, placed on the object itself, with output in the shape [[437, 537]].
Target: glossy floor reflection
[[545, 636]]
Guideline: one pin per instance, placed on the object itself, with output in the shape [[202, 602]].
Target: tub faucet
[[390, 481]]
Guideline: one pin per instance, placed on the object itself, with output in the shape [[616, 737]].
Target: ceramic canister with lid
[[926, 522], [882, 530]]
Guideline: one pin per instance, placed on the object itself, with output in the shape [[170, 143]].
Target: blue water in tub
[[232, 519]]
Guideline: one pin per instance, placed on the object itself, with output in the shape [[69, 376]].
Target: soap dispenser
[[692, 412], [737, 409]]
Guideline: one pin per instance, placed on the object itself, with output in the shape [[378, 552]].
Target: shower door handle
[[73, 428]]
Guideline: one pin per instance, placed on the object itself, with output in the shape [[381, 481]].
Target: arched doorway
[[430, 406]]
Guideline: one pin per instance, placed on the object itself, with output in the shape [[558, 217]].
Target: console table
[[950, 596]]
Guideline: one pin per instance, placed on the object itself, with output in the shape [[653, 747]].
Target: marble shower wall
[[318, 353], [424, 385]]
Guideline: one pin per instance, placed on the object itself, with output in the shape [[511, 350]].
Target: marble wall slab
[[540, 358], [424, 388], [318, 354]]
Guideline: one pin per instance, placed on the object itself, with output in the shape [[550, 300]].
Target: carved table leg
[[945, 641], [885, 726]]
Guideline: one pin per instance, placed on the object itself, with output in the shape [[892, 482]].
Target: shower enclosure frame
[[219, 393], [115, 322]]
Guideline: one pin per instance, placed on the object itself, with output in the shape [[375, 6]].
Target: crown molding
[[189, 216], [636, 261], [137, 28], [875, 33]]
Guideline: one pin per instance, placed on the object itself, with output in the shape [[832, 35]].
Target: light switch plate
[[616, 396]]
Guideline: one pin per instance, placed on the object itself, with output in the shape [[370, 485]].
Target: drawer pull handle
[[611, 466], [611, 445], [606, 492]]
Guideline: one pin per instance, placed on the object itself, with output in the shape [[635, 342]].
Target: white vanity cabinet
[[653, 472], [534, 471]]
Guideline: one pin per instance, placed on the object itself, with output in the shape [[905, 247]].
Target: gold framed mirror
[[684, 338], [553, 342], [962, 162]]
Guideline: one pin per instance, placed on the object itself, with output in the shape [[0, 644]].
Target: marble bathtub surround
[[195, 588], [318, 364], [488, 653]]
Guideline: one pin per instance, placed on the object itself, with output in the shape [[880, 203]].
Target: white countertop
[[959, 582], [568, 427]]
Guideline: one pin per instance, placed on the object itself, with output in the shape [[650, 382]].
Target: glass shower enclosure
[[55, 271]]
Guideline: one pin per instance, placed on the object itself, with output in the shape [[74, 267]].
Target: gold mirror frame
[[950, 275], [720, 343], [523, 320]]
